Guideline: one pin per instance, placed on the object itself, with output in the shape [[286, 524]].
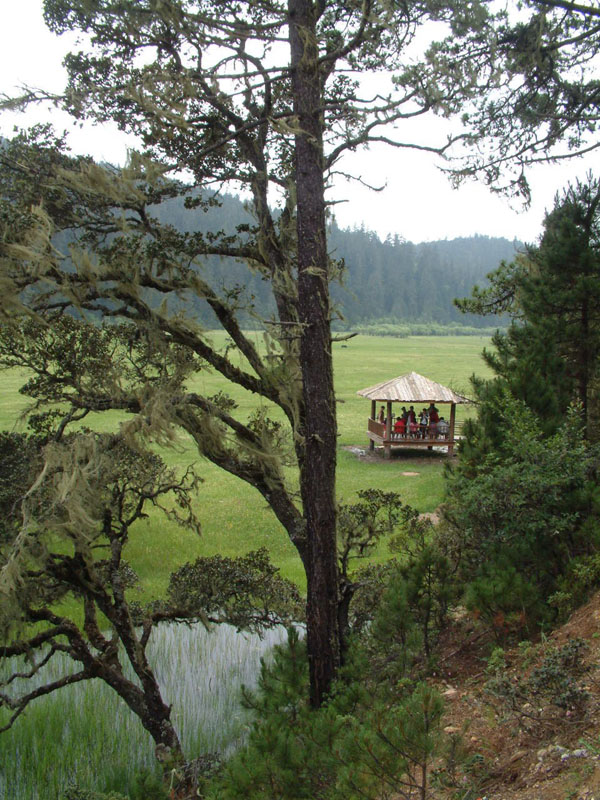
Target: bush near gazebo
[[526, 519]]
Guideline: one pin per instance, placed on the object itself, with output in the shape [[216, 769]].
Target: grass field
[[234, 517]]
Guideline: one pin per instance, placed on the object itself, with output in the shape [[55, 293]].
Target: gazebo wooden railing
[[411, 389], [376, 431]]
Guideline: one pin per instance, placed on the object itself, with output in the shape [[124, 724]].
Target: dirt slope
[[539, 737]]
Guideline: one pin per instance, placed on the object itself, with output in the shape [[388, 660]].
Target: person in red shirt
[[434, 418], [400, 426], [434, 414]]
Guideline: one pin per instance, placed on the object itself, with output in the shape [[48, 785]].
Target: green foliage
[[521, 514], [555, 677], [388, 753], [279, 760], [395, 639], [246, 592], [379, 731], [200, 772], [363, 524], [411, 610], [501, 295], [364, 743], [528, 651], [580, 579], [147, 785], [73, 367], [550, 355], [496, 661], [406, 598], [75, 793], [20, 459], [505, 598], [427, 573], [548, 691]]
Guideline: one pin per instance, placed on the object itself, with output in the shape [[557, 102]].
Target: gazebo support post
[[373, 416], [451, 432], [387, 449]]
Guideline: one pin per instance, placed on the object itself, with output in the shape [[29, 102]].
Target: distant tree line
[[412, 282], [392, 281], [395, 279]]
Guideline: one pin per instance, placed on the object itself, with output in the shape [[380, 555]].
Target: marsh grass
[[86, 735]]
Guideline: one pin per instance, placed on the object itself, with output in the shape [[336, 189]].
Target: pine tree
[[550, 355], [561, 294]]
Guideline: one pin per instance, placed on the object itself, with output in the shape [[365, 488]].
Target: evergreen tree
[[550, 355], [524, 494], [522, 516], [560, 295]]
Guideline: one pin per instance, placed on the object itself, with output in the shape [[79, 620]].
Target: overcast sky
[[417, 202]]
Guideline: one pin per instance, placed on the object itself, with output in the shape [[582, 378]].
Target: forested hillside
[[412, 282], [394, 279]]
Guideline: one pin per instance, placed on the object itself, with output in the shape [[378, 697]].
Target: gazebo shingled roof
[[412, 388]]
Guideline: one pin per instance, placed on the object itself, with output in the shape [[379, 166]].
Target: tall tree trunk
[[317, 467]]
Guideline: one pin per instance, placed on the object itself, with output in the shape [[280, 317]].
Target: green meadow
[[234, 517]]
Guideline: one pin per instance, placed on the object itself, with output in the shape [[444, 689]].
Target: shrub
[[520, 515], [373, 739], [76, 793], [581, 578], [550, 691]]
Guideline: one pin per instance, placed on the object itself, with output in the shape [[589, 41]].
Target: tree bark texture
[[317, 467]]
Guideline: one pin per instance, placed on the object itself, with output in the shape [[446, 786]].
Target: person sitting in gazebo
[[443, 428], [434, 417], [423, 422], [400, 426], [413, 428]]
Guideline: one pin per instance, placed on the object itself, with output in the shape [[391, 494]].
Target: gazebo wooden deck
[[410, 389]]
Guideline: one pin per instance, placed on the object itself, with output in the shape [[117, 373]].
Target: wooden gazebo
[[410, 389]]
